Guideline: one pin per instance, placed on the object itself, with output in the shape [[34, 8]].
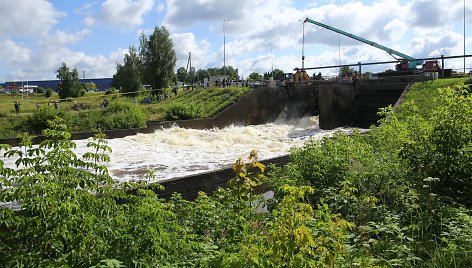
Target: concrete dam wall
[[356, 105]]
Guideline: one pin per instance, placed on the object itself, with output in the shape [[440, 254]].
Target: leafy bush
[[399, 183], [122, 115], [48, 92], [183, 112], [38, 121], [444, 148]]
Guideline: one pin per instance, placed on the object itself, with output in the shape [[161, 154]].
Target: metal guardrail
[[442, 58]]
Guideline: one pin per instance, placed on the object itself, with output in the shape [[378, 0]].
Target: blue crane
[[406, 62]]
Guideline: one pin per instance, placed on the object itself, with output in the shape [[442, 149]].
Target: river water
[[178, 152]]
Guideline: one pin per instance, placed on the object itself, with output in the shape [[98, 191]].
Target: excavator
[[406, 63]]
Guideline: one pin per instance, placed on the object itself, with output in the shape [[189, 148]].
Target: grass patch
[[423, 94], [86, 118]]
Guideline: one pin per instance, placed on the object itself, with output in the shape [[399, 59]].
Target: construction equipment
[[406, 63], [290, 79]]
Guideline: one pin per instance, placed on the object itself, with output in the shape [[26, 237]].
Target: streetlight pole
[[224, 47], [303, 45]]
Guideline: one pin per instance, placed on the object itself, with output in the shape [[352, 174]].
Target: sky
[[37, 36]]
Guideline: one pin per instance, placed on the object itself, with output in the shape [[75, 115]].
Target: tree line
[[151, 64]]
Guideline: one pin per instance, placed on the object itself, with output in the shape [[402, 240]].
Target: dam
[[192, 155]]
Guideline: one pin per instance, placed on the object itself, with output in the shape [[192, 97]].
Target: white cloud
[[27, 17], [24, 64], [64, 38], [89, 21], [184, 12], [12, 53], [85, 8], [202, 57], [160, 7], [125, 13]]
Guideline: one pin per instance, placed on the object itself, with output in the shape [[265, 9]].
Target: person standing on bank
[[354, 78], [17, 107]]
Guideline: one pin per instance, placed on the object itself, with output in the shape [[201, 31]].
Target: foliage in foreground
[[406, 185], [397, 196], [70, 216]]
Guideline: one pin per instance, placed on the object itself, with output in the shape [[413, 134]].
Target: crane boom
[[412, 62]]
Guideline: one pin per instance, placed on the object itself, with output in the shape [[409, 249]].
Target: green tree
[[48, 92], [201, 75], [230, 71], [181, 74], [159, 58], [90, 86], [69, 85], [255, 76], [191, 76], [345, 70], [277, 74], [128, 77]]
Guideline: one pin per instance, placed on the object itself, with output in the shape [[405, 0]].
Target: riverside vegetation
[[122, 112], [397, 196]]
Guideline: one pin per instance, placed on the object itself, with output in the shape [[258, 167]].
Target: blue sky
[[36, 36]]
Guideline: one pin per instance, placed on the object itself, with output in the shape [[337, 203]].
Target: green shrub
[[38, 121], [48, 92], [442, 147], [122, 114], [184, 112]]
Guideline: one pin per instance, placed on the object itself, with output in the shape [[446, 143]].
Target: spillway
[[178, 152]]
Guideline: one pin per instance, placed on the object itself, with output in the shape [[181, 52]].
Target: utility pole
[[224, 47], [22, 84], [189, 64], [464, 37]]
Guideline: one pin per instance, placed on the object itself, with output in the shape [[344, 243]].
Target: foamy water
[[178, 152]]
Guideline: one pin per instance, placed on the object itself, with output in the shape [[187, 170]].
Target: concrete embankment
[[207, 182]]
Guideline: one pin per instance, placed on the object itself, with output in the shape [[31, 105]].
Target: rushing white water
[[178, 152]]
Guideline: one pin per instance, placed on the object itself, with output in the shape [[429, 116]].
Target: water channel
[[178, 152]]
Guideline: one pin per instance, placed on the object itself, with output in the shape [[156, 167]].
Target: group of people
[[17, 105], [56, 104]]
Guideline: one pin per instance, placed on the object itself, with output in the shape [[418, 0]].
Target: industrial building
[[19, 86]]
